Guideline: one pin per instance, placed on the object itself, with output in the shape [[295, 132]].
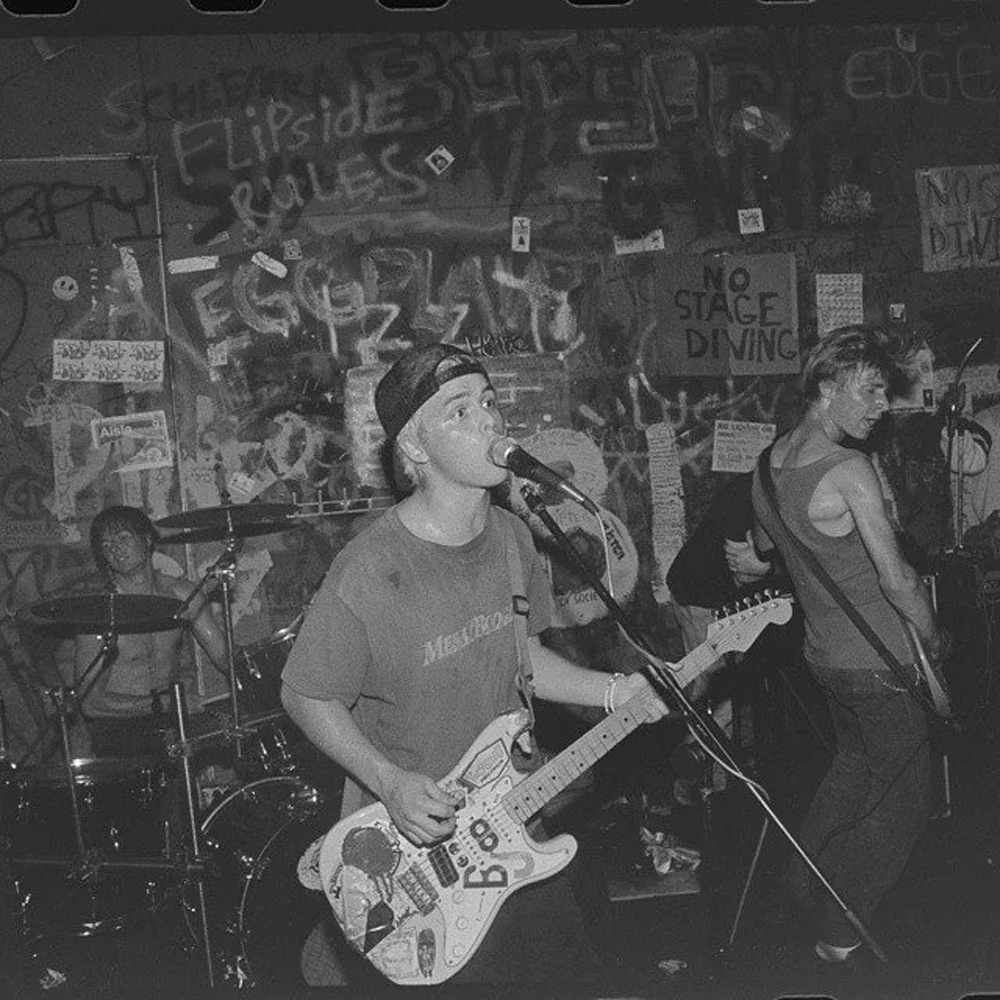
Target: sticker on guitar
[[418, 914]]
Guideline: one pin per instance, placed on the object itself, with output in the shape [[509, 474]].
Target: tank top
[[831, 639]]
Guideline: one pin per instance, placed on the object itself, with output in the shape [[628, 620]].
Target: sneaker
[[835, 953]]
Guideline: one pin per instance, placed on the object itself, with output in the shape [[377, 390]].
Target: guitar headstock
[[744, 621]]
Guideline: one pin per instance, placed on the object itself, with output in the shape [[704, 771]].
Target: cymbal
[[217, 534], [229, 521], [97, 613]]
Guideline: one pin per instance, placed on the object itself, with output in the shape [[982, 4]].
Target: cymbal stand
[[59, 700], [226, 573], [224, 570], [183, 750], [108, 647]]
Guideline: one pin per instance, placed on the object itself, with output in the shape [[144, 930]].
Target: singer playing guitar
[[409, 648]]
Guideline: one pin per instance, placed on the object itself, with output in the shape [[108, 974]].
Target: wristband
[[609, 693]]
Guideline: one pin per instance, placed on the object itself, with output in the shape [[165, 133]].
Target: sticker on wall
[[439, 160], [906, 39], [737, 443], [651, 241], [243, 488], [218, 354], [751, 220], [520, 234], [66, 288], [140, 440], [130, 266], [269, 264], [184, 265], [136, 361]]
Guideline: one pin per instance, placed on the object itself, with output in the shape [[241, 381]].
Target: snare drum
[[259, 913], [259, 666]]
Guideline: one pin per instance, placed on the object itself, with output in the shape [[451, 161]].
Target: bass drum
[[259, 913]]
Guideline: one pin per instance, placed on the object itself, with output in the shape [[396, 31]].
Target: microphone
[[507, 454]]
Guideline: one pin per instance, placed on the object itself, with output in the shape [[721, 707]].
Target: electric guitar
[[419, 914], [934, 681]]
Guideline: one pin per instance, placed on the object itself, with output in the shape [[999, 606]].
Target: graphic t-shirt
[[418, 638]]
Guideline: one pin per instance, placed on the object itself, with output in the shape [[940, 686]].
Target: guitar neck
[[526, 798]]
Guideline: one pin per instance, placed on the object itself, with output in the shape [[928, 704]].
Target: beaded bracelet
[[609, 693]]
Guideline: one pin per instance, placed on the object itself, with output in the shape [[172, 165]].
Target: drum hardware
[[259, 666], [331, 506], [85, 866], [265, 747], [194, 832], [230, 523]]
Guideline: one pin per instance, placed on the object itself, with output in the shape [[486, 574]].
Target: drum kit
[[94, 843]]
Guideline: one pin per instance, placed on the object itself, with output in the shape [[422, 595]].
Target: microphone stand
[[954, 404], [705, 730]]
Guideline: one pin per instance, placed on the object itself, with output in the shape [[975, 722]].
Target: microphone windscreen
[[500, 449]]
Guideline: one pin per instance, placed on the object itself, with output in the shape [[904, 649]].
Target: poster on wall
[[737, 443], [727, 314], [959, 227], [839, 301]]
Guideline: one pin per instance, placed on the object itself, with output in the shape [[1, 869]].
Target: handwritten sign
[[107, 360], [727, 314], [959, 224], [738, 443]]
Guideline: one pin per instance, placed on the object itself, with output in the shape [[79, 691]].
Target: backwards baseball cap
[[415, 377]]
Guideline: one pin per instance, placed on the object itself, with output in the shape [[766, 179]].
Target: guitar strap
[[809, 558], [519, 600]]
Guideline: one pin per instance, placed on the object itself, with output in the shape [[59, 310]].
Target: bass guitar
[[418, 914]]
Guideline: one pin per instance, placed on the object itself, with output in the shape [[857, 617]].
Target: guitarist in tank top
[[873, 803]]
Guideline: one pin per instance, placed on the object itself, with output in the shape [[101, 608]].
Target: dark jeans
[[872, 804]]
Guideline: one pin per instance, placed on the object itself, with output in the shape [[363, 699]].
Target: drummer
[[126, 707]]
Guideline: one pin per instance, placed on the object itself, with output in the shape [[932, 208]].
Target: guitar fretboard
[[535, 790]]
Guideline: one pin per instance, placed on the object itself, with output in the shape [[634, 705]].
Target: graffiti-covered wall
[[211, 246]]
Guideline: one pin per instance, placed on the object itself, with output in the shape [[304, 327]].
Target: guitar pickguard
[[418, 914]]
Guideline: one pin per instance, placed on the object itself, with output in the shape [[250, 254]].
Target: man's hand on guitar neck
[[629, 686], [420, 808]]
